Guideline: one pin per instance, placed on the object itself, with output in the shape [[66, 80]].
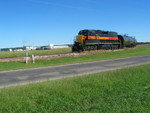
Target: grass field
[[119, 91], [35, 52], [139, 51]]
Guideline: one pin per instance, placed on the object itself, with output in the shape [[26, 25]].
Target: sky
[[43, 22]]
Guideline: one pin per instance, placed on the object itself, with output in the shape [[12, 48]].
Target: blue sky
[[40, 22]]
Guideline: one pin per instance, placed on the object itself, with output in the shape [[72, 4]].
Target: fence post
[[33, 59], [26, 57]]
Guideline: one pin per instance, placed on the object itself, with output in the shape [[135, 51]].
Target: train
[[100, 39]]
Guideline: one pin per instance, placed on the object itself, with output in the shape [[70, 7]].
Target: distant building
[[60, 46], [12, 49], [29, 48], [18, 49], [52, 46]]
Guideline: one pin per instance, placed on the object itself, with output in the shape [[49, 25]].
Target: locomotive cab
[[79, 41]]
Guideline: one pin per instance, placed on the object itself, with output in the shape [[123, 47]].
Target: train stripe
[[102, 38], [100, 43]]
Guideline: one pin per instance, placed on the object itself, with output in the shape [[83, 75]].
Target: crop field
[[119, 91], [139, 51]]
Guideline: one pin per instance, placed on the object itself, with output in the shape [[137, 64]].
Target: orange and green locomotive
[[99, 39]]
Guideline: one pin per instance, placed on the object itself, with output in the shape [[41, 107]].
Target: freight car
[[99, 39], [127, 41]]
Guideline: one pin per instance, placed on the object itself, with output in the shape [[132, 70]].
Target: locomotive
[[99, 39]]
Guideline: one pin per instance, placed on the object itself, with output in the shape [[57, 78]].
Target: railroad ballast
[[99, 39]]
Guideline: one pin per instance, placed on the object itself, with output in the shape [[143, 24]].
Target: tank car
[[127, 41]]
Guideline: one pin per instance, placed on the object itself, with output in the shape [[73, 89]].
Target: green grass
[[140, 51], [119, 91], [35, 52]]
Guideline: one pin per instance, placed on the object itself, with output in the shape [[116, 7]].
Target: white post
[[33, 59], [26, 57]]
